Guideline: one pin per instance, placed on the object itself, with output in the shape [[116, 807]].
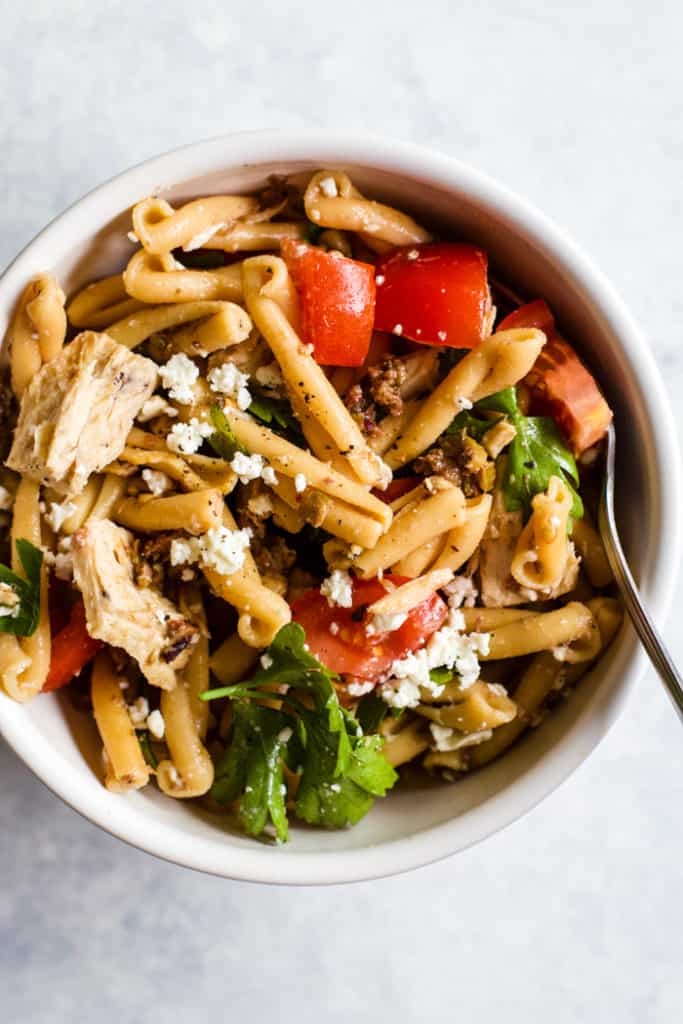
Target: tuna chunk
[[141, 621], [77, 411]]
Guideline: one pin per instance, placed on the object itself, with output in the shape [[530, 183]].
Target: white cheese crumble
[[64, 560], [360, 688], [446, 739], [449, 647], [219, 548], [58, 514], [247, 467], [328, 187], [412, 255], [156, 724], [463, 403], [461, 592], [139, 711], [334, 628], [441, 335], [300, 483], [10, 605], [397, 329], [380, 279], [266, 661], [153, 407], [386, 623], [270, 376], [156, 481], [338, 589], [228, 380], [178, 377], [186, 438], [6, 499], [132, 237], [203, 236], [269, 476]]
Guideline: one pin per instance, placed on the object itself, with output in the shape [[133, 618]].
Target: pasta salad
[[296, 503]]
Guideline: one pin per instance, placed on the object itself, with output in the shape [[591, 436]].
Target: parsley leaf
[[278, 415], [342, 770], [25, 622], [224, 442], [536, 453]]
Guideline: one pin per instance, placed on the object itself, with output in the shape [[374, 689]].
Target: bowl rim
[[264, 864]]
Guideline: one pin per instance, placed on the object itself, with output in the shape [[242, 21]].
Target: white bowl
[[412, 827]]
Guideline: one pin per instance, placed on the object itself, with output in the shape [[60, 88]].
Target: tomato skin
[[337, 300], [397, 488], [351, 651], [440, 297], [72, 649], [559, 384]]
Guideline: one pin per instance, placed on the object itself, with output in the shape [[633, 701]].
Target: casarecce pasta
[[289, 481]]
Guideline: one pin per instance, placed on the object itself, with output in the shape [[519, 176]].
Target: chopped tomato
[[397, 488], [338, 637], [337, 301], [436, 294], [72, 649], [559, 384]]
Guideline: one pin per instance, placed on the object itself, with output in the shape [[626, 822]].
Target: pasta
[[298, 519]]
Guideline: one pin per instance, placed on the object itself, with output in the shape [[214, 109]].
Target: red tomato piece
[[72, 649], [350, 650], [559, 384], [436, 294], [337, 301], [397, 488]]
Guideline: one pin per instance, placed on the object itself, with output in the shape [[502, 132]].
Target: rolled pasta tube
[[139, 438], [542, 549], [146, 279], [409, 595], [195, 512], [126, 767], [233, 661], [26, 525], [289, 519], [347, 210], [433, 515], [480, 707], [256, 237], [337, 517], [593, 557], [161, 228], [112, 490], [404, 746], [303, 376], [189, 772], [291, 461], [320, 442], [498, 362], [539, 633], [483, 620], [224, 322], [389, 428], [83, 504], [13, 664], [461, 542], [415, 563], [218, 476], [37, 330], [102, 303], [609, 615]]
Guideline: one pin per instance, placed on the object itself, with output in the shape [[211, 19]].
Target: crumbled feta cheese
[[228, 380], [58, 514], [178, 377], [184, 549], [335, 787], [446, 739], [139, 711], [285, 734], [203, 236], [412, 255], [441, 335], [247, 467], [300, 483], [156, 724], [156, 481], [338, 589], [266, 661], [64, 560], [380, 279], [328, 187], [461, 592], [386, 623], [270, 376], [269, 476], [440, 734], [153, 407], [6, 499], [463, 403], [132, 237], [187, 438], [449, 647], [334, 628], [224, 550], [10, 604], [360, 689], [398, 329]]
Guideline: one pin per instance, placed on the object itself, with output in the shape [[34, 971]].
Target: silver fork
[[643, 624]]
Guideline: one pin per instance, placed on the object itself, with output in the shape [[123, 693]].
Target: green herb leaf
[[371, 712], [536, 453], [441, 676], [146, 748], [277, 414], [224, 442], [25, 621]]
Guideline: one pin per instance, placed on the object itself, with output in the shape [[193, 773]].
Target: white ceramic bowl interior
[[415, 825]]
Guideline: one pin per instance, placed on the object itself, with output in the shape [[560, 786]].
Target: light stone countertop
[[574, 913]]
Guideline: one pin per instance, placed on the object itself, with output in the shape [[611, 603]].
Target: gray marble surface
[[573, 914]]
